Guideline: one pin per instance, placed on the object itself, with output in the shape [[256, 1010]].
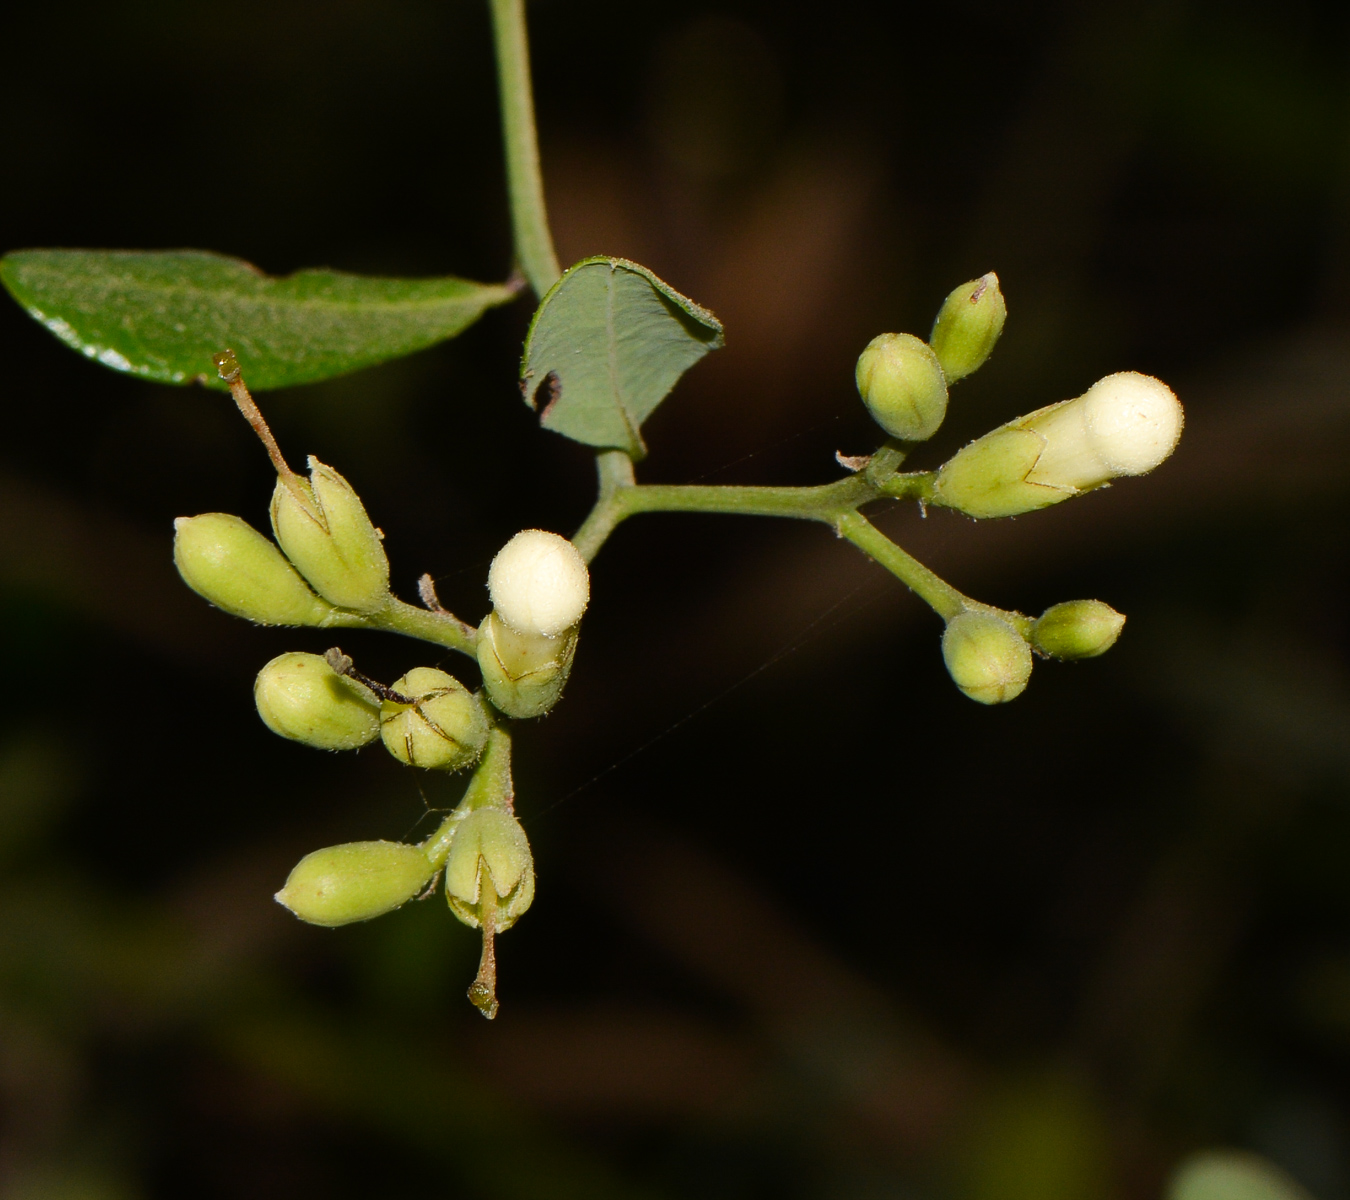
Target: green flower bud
[[1125, 424], [1077, 629], [443, 729], [539, 583], [986, 657], [523, 674], [968, 327], [354, 882], [323, 529], [231, 564], [901, 382], [302, 698], [489, 846]]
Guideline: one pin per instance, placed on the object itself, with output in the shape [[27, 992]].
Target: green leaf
[[605, 347], [162, 315]]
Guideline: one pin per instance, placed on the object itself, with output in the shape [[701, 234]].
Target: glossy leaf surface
[[161, 315], [606, 345]]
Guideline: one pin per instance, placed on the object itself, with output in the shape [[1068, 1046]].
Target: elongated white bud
[[1125, 424]]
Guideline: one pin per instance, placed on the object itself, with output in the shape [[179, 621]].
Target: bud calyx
[[900, 380], [435, 722], [323, 528], [968, 326], [523, 674], [1077, 629], [355, 882], [986, 657], [301, 697]]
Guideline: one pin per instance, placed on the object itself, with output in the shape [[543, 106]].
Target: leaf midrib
[[483, 293]]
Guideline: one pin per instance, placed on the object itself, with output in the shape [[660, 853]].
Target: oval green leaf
[[605, 347], [162, 315]]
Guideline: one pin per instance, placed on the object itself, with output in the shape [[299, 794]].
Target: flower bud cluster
[[331, 560], [903, 380]]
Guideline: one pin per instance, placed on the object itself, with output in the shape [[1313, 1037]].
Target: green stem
[[936, 592], [529, 220], [491, 785], [440, 628], [620, 498]]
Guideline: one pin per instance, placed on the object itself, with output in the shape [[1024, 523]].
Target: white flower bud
[[1125, 424], [539, 583]]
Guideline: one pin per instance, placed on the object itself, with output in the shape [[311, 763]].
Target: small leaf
[[605, 347], [161, 315]]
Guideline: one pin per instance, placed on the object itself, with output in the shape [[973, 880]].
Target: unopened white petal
[[539, 583], [1133, 421]]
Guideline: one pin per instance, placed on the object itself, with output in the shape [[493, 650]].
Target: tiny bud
[[443, 729], [354, 882], [324, 530], [539, 583], [231, 564], [227, 366], [489, 841], [968, 326], [986, 657], [901, 382], [523, 674], [300, 697], [1077, 629], [1125, 424]]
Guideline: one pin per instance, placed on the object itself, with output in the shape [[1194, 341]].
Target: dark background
[[809, 923]]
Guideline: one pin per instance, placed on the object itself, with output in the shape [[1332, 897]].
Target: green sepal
[[523, 674], [491, 840], [988, 478], [163, 314], [324, 530], [444, 729], [605, 347]]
